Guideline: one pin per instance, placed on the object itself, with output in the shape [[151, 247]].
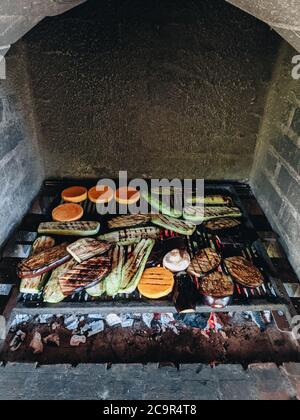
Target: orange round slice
[[156, 283], [101, 194], [74, 194], [127, 195], [67, 213]]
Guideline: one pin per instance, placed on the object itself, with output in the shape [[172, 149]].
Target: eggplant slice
[[43, 262], [85, 275]]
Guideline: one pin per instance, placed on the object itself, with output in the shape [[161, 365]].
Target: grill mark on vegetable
[[44, 261]]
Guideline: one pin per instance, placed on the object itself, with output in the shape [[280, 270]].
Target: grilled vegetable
[[87, 248], [134, 267], [101, 194], [34, 285], [211, 200], [222, 224], [69, 228], [127, 195], [98, 290], [167, 191], [41, 244], [204, 262], [162, 207], [217, 285], [195, 214], [53, 292], [177, 260], [85, 275], [69, 212], [180, 226], [129, 221], [156, 283], [44, 262], [244, 272], [130, 236], [113, 280], [74, 194]]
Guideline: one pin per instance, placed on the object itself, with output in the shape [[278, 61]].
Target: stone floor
[[146, 382]]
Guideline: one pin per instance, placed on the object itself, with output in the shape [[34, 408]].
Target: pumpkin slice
[[74, 194], [67, 213], [156, 283], [127, 195], [101, 194]]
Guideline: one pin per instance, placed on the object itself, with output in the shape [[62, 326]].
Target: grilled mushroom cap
[[177, 260]]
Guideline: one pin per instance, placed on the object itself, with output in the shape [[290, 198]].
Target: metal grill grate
[[241, 241]]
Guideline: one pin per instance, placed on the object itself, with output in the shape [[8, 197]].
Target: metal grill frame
[[276, 298]]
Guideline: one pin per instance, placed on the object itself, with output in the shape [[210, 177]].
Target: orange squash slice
[[67, 213], [101, 194], [127, 195], [74, 194], [156, 283]]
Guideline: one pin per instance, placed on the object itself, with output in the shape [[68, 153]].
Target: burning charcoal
[[127, 320], [52, 339], [85, 329], [257, 318], [20, 319], [96, 328], [36, 344], [55, 326], [17, 341], [167, 322], [156, 325], [76, 340], [268, 317], [148, 318], [174, 329], [193, 320], [166, 319], [113, 320], [44, 318], [214, 323], [95, 316], [71, 323]]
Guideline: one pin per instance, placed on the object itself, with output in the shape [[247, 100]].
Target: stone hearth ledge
[[150, 382]]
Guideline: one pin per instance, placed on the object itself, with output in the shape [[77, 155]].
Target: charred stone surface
[[276, 173], [166, 88], [20, 167]]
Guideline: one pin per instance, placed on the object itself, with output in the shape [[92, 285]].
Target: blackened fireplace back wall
[[165, 88]]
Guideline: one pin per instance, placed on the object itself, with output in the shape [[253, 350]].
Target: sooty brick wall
[[20, 166], [165, 88], [276, 174]]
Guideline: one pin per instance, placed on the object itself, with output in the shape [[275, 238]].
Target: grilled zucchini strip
[[134, 268], [34, 285], [113, 280], [160, 206], [179, 226], [53, 292], [69, 228], [211, 200], [131, 236]]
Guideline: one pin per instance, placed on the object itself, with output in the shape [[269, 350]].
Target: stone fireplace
[[160, 89]]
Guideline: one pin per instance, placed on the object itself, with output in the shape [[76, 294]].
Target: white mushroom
[[177, 260]]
